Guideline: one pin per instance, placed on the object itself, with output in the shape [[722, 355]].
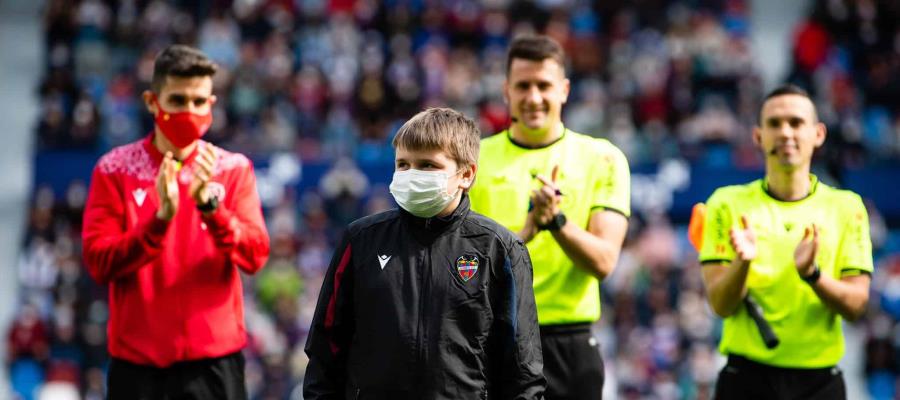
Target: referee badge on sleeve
[[467, 266]]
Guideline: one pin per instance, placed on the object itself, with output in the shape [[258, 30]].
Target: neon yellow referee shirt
[[593, 175], [810, 332]]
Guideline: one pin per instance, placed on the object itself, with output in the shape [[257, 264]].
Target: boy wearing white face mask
[[431, 300]]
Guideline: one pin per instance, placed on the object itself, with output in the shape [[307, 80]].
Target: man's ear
[[148, 97], [757, 137], [821, 133], [567, 85], [506, 91]]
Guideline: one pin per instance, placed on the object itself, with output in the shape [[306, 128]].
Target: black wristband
[[211, 205], [555, 224], [813, 277]]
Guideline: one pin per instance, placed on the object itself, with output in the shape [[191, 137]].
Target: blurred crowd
[[330, 81]]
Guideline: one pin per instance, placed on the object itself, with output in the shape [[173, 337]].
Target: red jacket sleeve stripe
[[332, 303]]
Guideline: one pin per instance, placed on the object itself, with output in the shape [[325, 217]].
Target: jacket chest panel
[[445, 273]]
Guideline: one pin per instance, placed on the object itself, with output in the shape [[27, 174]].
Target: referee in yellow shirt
[[567, 197], [797, 247]]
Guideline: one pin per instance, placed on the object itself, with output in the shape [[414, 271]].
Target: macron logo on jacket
[[139, 196], [383, 260]]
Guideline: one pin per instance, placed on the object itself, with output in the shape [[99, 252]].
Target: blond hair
[[441, 129]]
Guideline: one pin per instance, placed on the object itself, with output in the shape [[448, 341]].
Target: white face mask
[[422, 193]]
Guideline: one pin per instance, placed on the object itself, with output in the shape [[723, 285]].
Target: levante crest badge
[[467, 266]]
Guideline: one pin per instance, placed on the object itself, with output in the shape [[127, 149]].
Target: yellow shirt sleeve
[[855, 251], [612, 189], [716, 240]]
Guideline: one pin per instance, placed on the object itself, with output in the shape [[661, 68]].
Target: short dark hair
[[535, 48], [181, 61], [788, 89], [442, 129]]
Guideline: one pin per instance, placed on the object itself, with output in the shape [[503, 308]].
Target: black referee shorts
[[745, 379], [572, 362], [212, 378]]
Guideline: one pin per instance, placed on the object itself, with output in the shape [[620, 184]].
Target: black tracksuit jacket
[[397, 318]]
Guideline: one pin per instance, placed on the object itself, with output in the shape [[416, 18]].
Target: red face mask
[[182, 128]]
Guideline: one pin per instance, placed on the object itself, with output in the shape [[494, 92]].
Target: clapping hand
[[744, 241], [167, 187], [805, 253], [546, 199], [205, 167]]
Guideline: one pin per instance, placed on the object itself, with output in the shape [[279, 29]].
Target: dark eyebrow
[[534, 81], [182, 97], [785, 118]]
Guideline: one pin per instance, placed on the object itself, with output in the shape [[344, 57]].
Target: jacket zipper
[[423, 303]]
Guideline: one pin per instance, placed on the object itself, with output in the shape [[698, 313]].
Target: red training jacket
[[174, 291]]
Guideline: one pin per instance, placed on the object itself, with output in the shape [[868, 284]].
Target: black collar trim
[[535, 147]]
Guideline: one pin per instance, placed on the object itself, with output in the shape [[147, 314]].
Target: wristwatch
[[211, 205], [555, 224], [814, 276]]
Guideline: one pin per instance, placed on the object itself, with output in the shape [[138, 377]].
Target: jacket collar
[[157, 157], [427, 229]]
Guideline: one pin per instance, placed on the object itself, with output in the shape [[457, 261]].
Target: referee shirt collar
[[813, 184], [530, 147]]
